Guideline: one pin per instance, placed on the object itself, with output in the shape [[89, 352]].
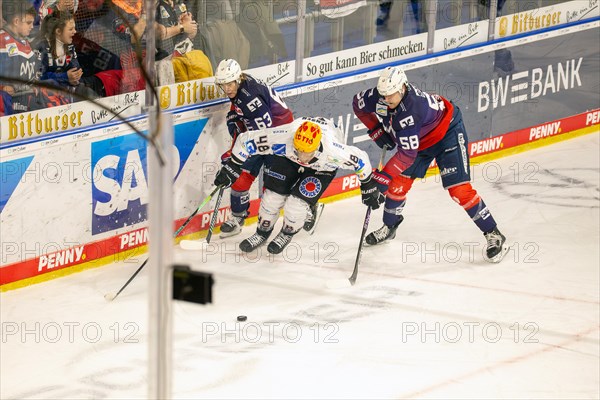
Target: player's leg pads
[[270, 205], [244, 182], [399, 187], [392, 211], [495, 250], [465, 195], [474, 205], [295, 211], [254, 241], [385, 233]]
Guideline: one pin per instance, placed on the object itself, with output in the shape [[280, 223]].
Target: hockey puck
[[242, 318]]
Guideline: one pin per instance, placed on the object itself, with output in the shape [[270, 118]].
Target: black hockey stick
[[213, 220], [112, 296], [352, 278]]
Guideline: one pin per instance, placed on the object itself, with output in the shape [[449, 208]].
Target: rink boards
[[78, 199]]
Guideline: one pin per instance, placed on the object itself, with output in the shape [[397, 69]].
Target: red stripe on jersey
[[440, 130]]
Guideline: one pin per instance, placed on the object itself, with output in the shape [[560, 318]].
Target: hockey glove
[[383, 180], [381, 137], [233, 124], [228, 174], [371, 196]]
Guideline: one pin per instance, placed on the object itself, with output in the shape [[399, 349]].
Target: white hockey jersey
[[330, 156]]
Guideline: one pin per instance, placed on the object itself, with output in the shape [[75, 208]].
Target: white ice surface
[[428, 317]]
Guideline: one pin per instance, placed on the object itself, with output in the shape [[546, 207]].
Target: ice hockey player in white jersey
[[309, 153]]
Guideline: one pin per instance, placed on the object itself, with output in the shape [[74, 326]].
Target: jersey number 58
[[410, 142]]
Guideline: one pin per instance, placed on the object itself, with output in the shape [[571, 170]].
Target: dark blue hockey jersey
[[420, 120], [56, 68], [259, 106], [19, 61]]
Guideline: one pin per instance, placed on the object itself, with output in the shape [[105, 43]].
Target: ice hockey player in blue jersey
[[423, 127], [254, 105], [308, 155]]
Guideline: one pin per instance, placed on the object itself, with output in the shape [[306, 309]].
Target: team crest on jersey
[[381, 109], [251, 147], [12, 49], [310, 187]]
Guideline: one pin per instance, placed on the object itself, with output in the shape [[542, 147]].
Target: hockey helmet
[[228, 71], [307, 137], [391, 80]]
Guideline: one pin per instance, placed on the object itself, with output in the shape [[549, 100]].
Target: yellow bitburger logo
[[165, 97], [503, 26]]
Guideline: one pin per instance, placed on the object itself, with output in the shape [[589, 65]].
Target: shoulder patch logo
[[381, 109], [12, 49]]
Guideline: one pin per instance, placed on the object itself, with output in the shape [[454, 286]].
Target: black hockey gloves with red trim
[[371, 196], [228, 174], [383, 180], [381, 137]]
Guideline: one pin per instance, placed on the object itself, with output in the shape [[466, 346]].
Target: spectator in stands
[[176, 30], [20, 63], [58, 55], [503, 62], [120, 33], [418, 9]]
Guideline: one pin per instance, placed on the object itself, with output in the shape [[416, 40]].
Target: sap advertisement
[[97, 185], [119, 175]]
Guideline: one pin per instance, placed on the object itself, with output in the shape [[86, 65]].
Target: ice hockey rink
[[427, 318]]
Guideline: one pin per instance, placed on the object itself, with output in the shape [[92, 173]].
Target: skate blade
[[386, 241], [193, 244], [317, 217], [224, 235], [500, 256]]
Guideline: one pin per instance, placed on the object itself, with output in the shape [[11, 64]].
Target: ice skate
[[279, 243], [382, 234], [254, 241], [496, 250], [233, 225], [310, 225]]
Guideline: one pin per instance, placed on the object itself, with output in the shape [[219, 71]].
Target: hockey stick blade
[[109, 296], [193, 245]]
